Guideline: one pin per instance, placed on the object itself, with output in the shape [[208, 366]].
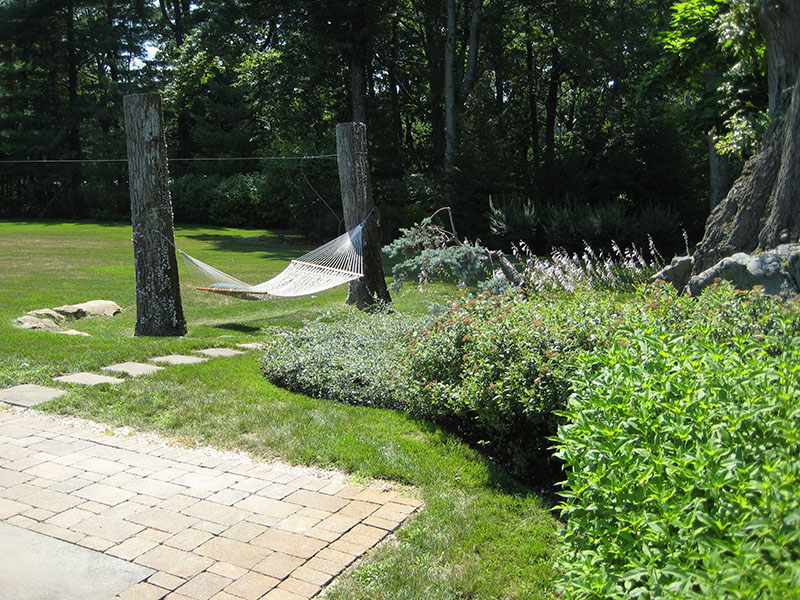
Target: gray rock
[[28, 322], [677, 272], [105, 308], [778, 271], [48, 313], [70, 311], [74, 332]]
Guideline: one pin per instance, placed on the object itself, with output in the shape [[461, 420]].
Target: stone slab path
[[39, 567], [210, 525], [29, 394]]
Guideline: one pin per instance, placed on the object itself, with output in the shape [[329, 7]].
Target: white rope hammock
[[332, 264]]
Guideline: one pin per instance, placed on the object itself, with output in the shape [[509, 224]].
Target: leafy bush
[[512, 219], [681, 444], [574, 225], [495, 369], [353, 359], [620, 270]]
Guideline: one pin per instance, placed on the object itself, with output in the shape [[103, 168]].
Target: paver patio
[[211, 525]]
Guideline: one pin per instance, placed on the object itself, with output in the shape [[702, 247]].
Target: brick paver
[[212, 525]]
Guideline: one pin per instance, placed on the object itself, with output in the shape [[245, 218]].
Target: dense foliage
[[681, 444], [676, 419], [353, 358], [492, 368], [570, 106]]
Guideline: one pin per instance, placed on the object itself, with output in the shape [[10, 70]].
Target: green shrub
[[354, 359], [495, 369], [513, 219], [681, 444], [192, 195]]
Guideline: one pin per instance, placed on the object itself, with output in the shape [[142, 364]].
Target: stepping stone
[[74, 332], [29, 394], [39, 567], [133, 368], [178, 359], [88, 379], [215, 352], [251, 346]]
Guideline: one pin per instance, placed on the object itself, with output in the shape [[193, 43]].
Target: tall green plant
[[680, 444]]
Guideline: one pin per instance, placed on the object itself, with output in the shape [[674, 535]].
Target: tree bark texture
[[159, 311], [780, 24], [456, 88], [718, 172], [762, 209], [354, 180]]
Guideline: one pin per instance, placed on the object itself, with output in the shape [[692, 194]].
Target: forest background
[[556, 122]]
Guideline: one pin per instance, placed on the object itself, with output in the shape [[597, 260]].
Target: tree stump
[[159, 311]]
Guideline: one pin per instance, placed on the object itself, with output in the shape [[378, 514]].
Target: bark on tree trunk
[[73, 128], [762, 209], [434, 54], [780, 24], [450, 89], [159, 311], [718, 172], [533, 111], [551, 105], [351, 149], [457, 89]]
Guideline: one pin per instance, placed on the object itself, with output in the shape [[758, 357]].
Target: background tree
[[540, 115]]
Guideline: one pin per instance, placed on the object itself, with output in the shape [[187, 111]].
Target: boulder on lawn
[[777, 270], [105, 308], [48, 313], [29, 322]]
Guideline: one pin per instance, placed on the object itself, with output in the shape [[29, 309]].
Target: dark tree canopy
[[561, 108]]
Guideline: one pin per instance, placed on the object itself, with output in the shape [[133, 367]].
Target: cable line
[[112, 160]]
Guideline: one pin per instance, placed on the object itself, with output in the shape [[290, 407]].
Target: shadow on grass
[[237, 327], [236, 243]]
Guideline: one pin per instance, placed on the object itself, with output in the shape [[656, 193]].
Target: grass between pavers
[[481, 535]]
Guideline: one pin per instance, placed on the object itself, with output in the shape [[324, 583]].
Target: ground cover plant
[[461, 545], [681, 442]]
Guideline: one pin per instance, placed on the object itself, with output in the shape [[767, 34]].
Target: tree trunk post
[[159, 311], [351, 151]]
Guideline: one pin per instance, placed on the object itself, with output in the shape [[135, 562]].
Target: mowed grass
[[480, 535]]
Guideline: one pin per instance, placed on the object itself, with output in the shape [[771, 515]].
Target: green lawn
[[481, 535]]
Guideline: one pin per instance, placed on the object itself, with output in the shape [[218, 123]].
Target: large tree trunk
[[73, 118], [762, 209], [456, 90], [159, 311], [354, 180], [718, 172]]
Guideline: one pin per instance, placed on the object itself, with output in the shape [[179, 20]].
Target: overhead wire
[[198, 159]]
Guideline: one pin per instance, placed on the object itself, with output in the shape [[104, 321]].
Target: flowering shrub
[[622, 268], [681, 444], [428, 250], [495, 368]]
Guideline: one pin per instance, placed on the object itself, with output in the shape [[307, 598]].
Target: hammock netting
[[335, 263]]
